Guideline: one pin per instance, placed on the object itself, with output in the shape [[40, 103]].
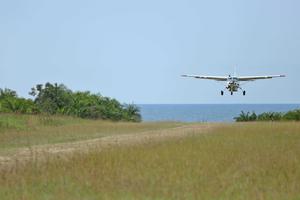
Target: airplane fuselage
[[232, 84]]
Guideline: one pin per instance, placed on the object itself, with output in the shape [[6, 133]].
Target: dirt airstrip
[[42, 152]]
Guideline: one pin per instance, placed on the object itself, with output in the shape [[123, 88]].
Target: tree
[[52, 98], [132, 113], [292, 115], [10, 102], [58, 99]]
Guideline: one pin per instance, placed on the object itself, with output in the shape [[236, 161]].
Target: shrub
[[11, 103], [269, 116], [56, 98], [244, 117], [292, 115]]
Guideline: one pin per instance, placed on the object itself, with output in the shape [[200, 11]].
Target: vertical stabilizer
[[234, 74]]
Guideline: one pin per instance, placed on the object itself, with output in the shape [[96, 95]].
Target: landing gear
[[222, 92], [244, 92], [231, 93]]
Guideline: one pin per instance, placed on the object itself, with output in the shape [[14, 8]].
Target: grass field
[[229, 161], [26, 130]]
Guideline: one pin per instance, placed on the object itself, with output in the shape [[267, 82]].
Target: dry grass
[[27, 130], [234, 161]]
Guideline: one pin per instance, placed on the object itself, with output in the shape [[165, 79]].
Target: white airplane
[[233, 82]]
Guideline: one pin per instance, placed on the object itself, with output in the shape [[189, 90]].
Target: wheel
[[231, 93], [222, 93], [244, 93]]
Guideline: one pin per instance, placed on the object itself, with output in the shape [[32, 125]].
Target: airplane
[[233, 82]]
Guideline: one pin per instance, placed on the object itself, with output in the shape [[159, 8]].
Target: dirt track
[[39, 152]]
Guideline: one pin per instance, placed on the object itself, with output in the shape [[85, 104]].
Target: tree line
[[293, 115], [57, 99]]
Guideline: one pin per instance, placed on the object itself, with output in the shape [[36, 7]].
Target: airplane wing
[[253, 78], [216, 78]]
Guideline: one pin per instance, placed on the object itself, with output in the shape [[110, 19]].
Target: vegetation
[[233, 161], [293, 115], [10, 102], [57, 99], [27, 130]]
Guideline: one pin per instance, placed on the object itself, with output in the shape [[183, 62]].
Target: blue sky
[[135, 51]]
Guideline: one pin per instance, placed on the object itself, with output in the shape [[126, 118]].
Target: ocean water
[[206, 112]]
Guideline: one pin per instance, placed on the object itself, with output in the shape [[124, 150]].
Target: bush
[[52, 99], [11, 103], [293, 115], [245, 117], [269, 116]]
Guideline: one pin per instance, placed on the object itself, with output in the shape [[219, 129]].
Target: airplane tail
[[234, 73]]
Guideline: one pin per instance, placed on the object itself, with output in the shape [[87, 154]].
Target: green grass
[[27, 130], [233, 161]]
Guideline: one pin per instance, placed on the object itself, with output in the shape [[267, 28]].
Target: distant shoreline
[[206, 112]]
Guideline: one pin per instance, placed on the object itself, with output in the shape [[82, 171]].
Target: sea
[[206, 112]]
